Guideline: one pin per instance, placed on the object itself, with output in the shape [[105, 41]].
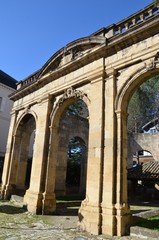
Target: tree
[[156, 2], [78, 108], [76, 151], [144, 105]]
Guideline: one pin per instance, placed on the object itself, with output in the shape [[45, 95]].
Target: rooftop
[[7, 80], [146, 171]]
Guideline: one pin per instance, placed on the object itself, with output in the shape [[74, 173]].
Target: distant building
[[144, 181], [7, 86], [151, 127]]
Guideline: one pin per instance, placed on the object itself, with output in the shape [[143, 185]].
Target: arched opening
[[143, 153], [143, 108], [141, 157], [72, 148], [23, 152], [76, 166]]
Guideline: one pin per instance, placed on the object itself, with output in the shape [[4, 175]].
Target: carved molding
[[71, 93], [151, 63], [156, 59]]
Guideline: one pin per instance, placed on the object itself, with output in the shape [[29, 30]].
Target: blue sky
[[33, 30]]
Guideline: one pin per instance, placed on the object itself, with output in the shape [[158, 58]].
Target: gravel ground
[[18, 224]]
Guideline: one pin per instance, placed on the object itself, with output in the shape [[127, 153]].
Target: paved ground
[[18, 224]]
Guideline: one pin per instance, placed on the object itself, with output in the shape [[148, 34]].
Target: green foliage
[[151, 223], [156, 2], [144, 105], [78, 108], [75, 108], [76, 149]]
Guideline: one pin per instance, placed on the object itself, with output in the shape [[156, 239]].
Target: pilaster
[[33, 197], [108, 198], [123, 215], [90, 210], [49, 198]]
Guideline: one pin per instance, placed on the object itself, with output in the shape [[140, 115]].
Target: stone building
[[102, 70]]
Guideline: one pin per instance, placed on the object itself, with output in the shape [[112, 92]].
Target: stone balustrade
[[132, 21], [26, 82]]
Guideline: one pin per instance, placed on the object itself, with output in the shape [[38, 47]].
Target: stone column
[[7, 185], [90, 210], [108, 208], [33, 196], [121, 206], [49, 199]]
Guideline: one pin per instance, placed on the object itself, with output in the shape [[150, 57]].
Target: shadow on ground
[[9, 209], [68, 209], [139, 211]]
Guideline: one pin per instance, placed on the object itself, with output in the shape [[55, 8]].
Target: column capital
[[109, 72], [120, 112]]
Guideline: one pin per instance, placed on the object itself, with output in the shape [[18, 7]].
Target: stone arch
[[19, 157], [136, 79], [147, 142], [22, 116], [69, 97], [121, 104]]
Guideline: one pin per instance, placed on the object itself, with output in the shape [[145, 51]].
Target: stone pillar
[[33, 197], [108, 208], [7, 188], [49, 198], [122, 209], [90, 210], [115, 211]]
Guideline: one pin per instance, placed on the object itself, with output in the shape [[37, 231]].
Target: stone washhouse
[[102, 70]]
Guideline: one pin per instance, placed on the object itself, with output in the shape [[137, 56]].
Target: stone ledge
[[146, 214], [143, 233]]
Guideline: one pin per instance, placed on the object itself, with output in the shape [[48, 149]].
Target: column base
[[7, 191], [109, 220], [33, 202], [48, 204], [89, 218], [124, 219], [116, 220]]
